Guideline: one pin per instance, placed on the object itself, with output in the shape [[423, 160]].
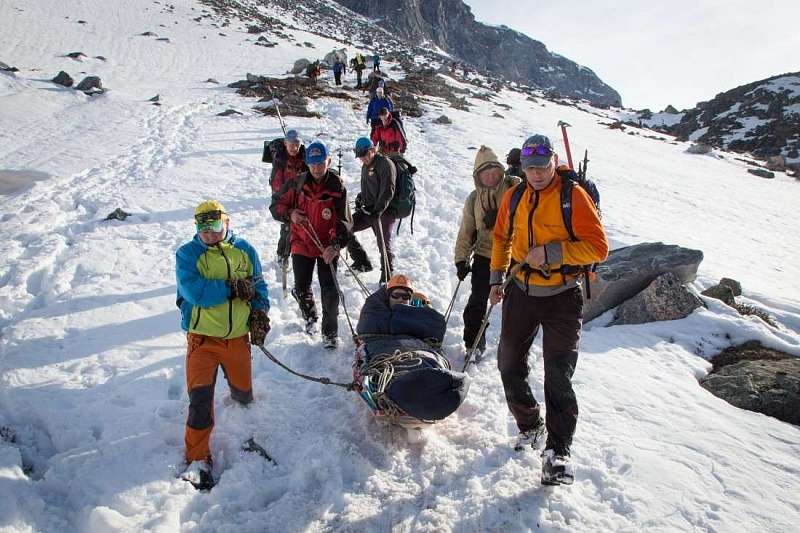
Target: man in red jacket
[[315, 205], [389, 136]]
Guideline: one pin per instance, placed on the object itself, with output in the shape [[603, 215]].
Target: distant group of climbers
[[527, 236]]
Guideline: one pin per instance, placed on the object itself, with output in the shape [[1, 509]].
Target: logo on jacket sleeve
[[327, 214]]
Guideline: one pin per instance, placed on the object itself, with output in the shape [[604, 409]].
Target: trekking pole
[[339, 168], [450, 307], [468, 358], [324, 380], [384, 252], [278, 110], [582, 168], [564, 127], [313, 234]]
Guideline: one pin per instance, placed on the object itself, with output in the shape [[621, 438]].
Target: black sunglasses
[[400, 295], [202, 218]]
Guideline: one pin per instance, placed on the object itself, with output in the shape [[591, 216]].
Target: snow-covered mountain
[[92, 376], [762, 118]]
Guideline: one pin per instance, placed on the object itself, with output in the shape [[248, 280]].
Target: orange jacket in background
[[546, 228]]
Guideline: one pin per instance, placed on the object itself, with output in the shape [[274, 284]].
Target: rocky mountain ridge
[[494, 50]]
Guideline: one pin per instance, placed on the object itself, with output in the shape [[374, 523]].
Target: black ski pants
[[303, 274], [478, 300], [337, 77], [560, 316], [387, 225]]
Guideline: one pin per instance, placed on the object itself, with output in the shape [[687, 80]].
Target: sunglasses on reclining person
[[400, 295], [536, 149]]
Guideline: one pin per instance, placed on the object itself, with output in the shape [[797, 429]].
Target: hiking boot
[[198, 473], [330, 342], [533, 437], [311, 326], [557, 468], [362, 266]]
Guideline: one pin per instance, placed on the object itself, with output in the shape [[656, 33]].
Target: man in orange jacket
[[545, 292]]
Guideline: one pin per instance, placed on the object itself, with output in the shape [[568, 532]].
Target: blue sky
[[658, 53]]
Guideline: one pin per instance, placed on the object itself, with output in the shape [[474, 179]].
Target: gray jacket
[[377, 184]]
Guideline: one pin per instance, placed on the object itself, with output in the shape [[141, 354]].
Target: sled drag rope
[[325, 381]]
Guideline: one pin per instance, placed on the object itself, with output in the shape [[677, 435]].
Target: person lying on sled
[[398, 311], [401, 333]]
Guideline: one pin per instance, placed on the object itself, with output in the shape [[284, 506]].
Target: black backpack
[[271, 149], [569, 179], [404, 200]]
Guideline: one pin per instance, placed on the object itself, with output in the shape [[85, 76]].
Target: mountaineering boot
[[198, 473], [330, 342], [556, 468], [362, 265], [533, 437], [311, 326]]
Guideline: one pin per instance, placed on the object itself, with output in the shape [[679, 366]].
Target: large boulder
[[300, 66], [628, 270], [90, 84], [63, 79], [759, 379], [666, 298], [330, 57]]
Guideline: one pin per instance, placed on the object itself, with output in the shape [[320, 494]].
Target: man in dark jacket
[[389, 135], [378, 176], [315, 204], [376, 103], [514, 165], [338, 70]]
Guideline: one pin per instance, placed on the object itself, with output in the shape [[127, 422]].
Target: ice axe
[[563, 125]]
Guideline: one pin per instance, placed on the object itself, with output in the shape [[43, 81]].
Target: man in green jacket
[[222, 297]]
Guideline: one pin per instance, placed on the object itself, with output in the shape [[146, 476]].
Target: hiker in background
[[379, 101], [531, 231], [359, 64], [475, 236], [376, 63], [514, 166], [378, 175], [219, 306], [315, 206], [287, 163], [338, 70], [389, 136], [313, 71]]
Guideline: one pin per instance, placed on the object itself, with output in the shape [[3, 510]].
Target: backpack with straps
[[271, 149], [569, 179], [404, 201]]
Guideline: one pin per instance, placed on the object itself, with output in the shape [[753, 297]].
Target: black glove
[[243, 288], [359, 201], [259, 327], [462, 269]]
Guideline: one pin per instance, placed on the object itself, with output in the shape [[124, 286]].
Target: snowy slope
[[91, 352]]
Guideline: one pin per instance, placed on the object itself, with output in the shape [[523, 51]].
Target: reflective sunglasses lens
[[210, 225], [538, 149]]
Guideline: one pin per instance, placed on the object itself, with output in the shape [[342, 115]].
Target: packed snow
[[92, 354]]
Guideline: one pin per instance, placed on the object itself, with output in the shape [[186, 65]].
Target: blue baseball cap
[[293, 136], [363, 144], [536, 151], [316, 153]]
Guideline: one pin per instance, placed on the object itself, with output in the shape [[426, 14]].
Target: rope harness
[[381, 369]]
